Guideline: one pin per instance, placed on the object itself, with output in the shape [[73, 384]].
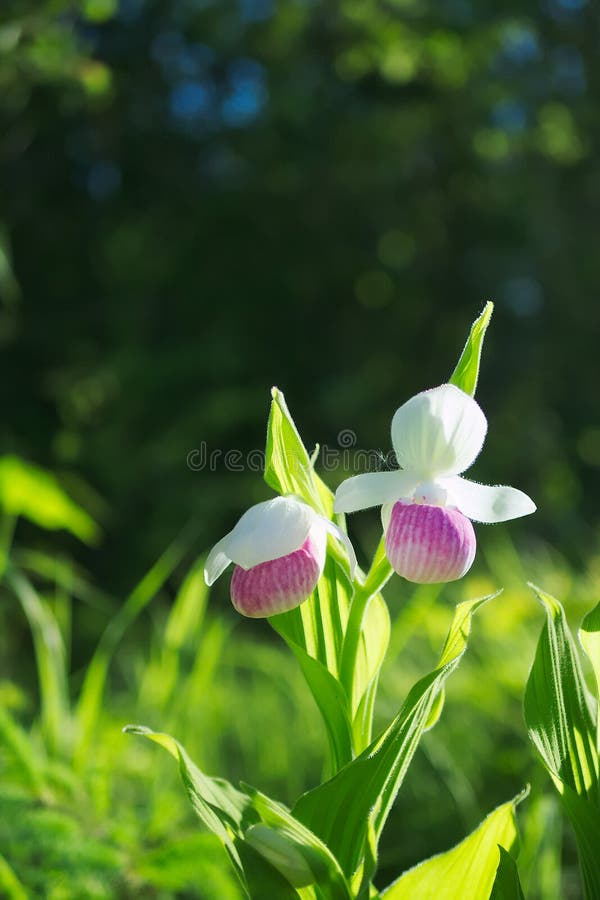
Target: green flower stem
[[379, 573]]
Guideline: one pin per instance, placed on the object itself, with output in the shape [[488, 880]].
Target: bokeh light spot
[[374, 289]]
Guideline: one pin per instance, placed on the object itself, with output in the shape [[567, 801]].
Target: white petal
[[216, 562], [483, 503], [373, 489], [438, 432], [343, 538], [267, 531]]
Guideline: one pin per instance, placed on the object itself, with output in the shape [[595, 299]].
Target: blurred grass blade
[[468, 871], [64, 573], [466, 372], [90, 698], [51, 662], [187, 613], [259, 834], [10, 886], [27, 490], [507, 885], [359, 797], [561, 720], [18, 743]]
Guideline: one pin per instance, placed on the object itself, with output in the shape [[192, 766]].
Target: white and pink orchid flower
[[279, 549], [426, 504]]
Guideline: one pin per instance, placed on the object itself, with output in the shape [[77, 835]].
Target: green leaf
[[333, 705], [342, 810], [315, 631], [468, 871], [466, 372], [558, 707], [561, 719], [288, 467], [343, 628], [313, 863], [272, 853], [27, 490], [367, 633], [507, 885]]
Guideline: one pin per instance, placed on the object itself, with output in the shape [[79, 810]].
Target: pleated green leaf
[[561, 718], [273, 854], [344, 809], [466, 372], [468, 871], [558, 707]]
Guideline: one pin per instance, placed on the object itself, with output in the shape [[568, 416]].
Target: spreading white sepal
[[216, 561], [343, 538], [266, 531], [373, 489], [484, 503], [438, 432]]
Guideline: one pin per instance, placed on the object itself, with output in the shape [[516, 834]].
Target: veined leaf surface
[[467, 871]]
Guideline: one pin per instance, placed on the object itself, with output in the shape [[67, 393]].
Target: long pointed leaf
[[341, 811], [288, 467], [272, 853], [558, 707]]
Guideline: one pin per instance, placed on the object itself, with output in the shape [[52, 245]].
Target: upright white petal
[[265, 531], [373, 489], [343, 538], [438, 432], [483, 503]]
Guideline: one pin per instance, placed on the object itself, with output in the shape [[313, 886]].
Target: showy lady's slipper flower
[[426, 505], [279, 550]]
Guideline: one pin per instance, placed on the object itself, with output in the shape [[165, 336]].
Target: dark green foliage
[[201, 200]]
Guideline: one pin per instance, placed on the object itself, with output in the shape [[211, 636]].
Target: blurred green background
[[201, 199]]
